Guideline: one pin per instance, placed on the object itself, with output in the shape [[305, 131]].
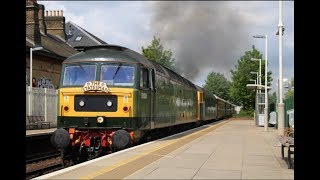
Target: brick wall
[[42, 24], [55, 23], [32, 22], [52, 22], [44, 67]]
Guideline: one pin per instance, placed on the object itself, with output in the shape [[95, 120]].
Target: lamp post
[[256, 98], [255, 59], [257, 80], [280, 104], [265, 82], [30, 75]]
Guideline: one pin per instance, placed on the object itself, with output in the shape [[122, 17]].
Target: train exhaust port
[[121, 139]]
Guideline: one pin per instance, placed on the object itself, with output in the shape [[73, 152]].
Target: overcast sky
[[204, 36]]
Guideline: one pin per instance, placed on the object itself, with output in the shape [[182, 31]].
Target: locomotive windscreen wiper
[[83, 69], [117, 70]]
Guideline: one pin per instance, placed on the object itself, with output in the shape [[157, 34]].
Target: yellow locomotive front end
[[83, 105], [95, 106]]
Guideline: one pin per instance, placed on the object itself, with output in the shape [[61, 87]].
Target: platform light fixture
[[266, 124]]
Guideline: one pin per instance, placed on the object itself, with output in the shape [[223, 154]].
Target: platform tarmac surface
[[38, 132], [229, 149]]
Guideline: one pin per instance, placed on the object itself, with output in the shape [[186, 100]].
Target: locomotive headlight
[[100, 119], [81, 103], [109, 103]]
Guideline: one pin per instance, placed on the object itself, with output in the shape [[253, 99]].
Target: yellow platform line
[[169, 142]]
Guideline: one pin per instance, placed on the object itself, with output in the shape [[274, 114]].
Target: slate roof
[[79, 37], [52, 47]]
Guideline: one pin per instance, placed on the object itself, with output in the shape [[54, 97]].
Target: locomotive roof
[[199, 88], [217, 97], [108, 52], [112, 53], [205, 90]]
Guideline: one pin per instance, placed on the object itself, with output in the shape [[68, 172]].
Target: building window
[[78, 38]]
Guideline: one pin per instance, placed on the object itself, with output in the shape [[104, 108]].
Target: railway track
[[41, 157], [43, 166]]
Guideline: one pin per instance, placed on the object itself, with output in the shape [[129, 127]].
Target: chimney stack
[[42, 25], [32, 21], [55, 23]]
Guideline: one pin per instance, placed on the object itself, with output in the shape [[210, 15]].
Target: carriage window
[[75, 75], [152, 79], [144, 79], [117, 74]]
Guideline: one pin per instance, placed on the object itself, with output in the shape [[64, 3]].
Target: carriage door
[[145, 98], [152, 97]]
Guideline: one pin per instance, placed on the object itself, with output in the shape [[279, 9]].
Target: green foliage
[[289, 94], [292, 82], [272, 101], [245, 114], [218, 85], [273, 98], [241, 76], [156, 52]]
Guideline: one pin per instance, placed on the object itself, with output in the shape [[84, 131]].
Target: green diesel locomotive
[[111, 97]]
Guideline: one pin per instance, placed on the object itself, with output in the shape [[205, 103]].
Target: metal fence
[[42, 102], [289, 111]]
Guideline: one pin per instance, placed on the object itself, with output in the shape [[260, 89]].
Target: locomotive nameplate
[[95, 86]]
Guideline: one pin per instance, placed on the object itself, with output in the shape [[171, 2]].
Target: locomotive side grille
[[95, 103]]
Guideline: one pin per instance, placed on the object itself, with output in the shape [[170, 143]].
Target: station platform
[[228, 149], [38, 132]]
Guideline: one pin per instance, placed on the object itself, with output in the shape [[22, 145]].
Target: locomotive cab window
[[144, 79], [78, 74], [117, 74]]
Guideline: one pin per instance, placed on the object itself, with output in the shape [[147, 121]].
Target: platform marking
[[56, 173], [123, 162]]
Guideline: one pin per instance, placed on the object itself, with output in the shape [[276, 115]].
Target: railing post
[[30, 101], [45, 104], [56, 104]]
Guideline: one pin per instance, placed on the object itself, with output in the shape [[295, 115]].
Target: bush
[[245, 114]]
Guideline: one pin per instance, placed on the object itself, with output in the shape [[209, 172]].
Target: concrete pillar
[[266, 122], [281, 119]]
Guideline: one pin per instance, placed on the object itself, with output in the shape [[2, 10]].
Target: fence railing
[[42, 102], [289, 111]]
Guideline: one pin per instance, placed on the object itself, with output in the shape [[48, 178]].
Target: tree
[[289, 94], [273, 98], [292, 82], [156, 52], [272, 101], [241, 76], [218, 85]]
